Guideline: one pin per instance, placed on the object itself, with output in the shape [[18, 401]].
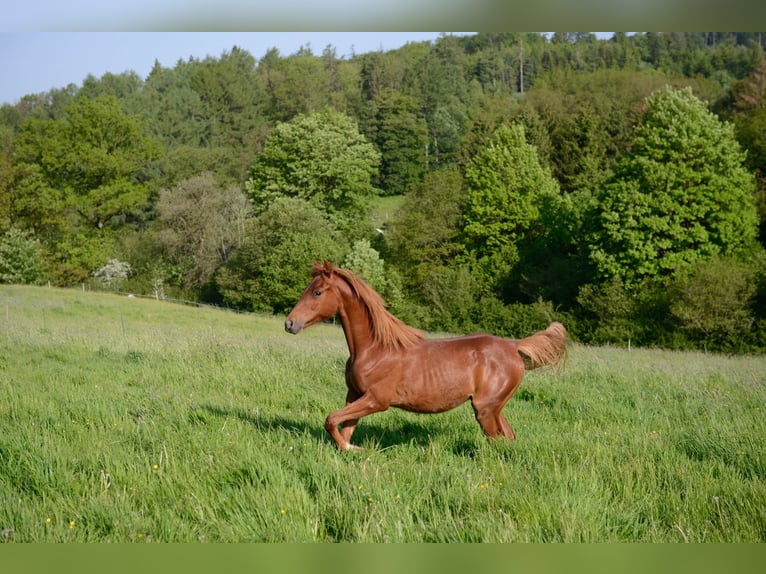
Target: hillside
[[132, 420]]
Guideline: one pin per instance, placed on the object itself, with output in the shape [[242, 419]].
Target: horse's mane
[[387, 330]]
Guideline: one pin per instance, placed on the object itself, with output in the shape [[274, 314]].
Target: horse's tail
[[545, 348]]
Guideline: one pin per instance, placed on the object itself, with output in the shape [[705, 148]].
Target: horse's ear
[[328, 267]]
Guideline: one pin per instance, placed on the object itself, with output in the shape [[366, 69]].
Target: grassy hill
[[126, 419]]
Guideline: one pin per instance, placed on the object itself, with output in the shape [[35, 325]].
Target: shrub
[[21, 258]]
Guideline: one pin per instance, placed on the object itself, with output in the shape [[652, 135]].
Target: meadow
[[136, 420]]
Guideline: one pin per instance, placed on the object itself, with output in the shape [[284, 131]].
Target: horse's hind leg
[[487, 418], [493, 422], [347, 428], [505, 428]]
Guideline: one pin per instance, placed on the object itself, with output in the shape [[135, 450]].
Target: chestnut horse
[[393, 365]]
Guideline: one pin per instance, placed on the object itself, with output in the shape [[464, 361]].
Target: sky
[[34, 62]]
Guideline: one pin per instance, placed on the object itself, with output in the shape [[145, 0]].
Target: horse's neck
[[356, 325]]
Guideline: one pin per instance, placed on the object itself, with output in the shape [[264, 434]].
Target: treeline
[[483, 182]]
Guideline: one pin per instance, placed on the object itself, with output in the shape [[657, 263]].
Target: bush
[[712, 302], [21, 258], [113, 273]]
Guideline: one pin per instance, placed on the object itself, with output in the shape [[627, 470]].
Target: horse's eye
[[317, 293]]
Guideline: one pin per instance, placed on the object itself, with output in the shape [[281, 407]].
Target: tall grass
[[136, 420]]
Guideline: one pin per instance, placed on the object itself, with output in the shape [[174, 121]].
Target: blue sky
[[33, 62]]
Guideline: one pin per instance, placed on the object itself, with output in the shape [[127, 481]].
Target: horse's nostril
[[288, 325]]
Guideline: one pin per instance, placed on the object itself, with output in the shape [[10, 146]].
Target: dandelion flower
[[48, 520], [156, 466], [282, 511], [71, 524]]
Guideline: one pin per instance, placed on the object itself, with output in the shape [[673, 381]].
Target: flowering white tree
[[113, 273]]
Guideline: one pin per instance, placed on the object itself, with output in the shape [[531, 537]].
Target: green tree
[[174, 111], [7, 176], [79, 179], [322, 158], [200, 224], [90, 163], [747, 105], [712, 301], [424, 234], [269, 271], [297, 84], [21, 258], [232, 105], [507, 187], [226, 87], [401, 138], [681, 194], [366, 262]]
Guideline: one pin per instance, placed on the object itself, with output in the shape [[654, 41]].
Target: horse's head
[[319, 301]]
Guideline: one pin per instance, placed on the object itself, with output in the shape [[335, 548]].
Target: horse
[[392, 364]]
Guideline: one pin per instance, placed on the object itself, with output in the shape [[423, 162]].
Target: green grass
[[135, 420]]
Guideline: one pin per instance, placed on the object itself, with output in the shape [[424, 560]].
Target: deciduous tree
[[200, 224], [269, 271], [321, 158], [682, 194], [507, 187]]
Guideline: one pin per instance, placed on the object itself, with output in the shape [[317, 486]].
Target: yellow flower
[[48, 520], [282, 511], [71, 524], [156, 466]]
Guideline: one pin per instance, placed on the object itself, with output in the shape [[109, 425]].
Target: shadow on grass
[[369, 433]]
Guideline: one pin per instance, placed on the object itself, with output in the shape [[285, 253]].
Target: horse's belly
[[434, 394]]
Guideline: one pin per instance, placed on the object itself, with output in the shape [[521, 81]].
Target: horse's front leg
[[348, 416]]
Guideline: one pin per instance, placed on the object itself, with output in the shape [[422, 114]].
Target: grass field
[[125, 419]]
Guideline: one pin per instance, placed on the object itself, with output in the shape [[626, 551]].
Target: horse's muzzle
[[293, 326]]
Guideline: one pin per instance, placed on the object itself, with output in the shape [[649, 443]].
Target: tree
[[506, 190], [425, 234], [401, 138], [7, 176], [226, 87], [21, 258], [81, 177], [748, 106], [712, 301], [682, 194], [200, 224], [113, 273], [269, 271], [365, 261], [297, 84], [322, 158], [94, 157]]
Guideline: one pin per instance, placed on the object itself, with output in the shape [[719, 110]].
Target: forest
[[485, 182]]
